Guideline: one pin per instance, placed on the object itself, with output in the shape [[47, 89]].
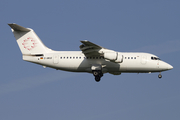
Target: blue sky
[[28, 91]]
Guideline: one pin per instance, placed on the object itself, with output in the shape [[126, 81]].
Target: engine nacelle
[[114, 56], [110, 55], [119, 58]]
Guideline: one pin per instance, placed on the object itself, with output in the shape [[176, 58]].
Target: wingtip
[[84, 41], [10, 24]]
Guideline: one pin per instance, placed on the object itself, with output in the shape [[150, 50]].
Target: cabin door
[[56, 59], [143, 60]]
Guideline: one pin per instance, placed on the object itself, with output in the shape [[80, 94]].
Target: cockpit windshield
[[155, 58]]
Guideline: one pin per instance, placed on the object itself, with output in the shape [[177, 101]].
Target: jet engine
[[114, 56]]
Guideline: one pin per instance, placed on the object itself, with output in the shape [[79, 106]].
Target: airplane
[[91, 59]]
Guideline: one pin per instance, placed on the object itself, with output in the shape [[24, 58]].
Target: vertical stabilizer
[[29, 43]]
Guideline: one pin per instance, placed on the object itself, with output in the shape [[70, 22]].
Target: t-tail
[[29, 43]]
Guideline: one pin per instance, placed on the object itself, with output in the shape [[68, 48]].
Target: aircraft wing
[[91, 49]]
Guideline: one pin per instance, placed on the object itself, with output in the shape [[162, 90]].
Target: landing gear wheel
[[159, 76], [97, 78], [97, 74]]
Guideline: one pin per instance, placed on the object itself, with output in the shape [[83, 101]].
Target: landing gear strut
[[97, 74], [160, 76]]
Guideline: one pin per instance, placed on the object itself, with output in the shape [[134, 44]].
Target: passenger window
[[134, 57], [131, 57]]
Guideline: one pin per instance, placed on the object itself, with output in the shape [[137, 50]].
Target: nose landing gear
[[159, 76]]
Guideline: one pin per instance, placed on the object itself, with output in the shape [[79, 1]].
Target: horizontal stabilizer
[[16, 27]]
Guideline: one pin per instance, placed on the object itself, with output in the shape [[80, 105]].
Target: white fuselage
[[92, 58], [76, 61]]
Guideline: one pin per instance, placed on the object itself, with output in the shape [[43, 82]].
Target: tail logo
[[29, 43]]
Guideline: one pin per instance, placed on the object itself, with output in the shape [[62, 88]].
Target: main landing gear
[[97, 74]]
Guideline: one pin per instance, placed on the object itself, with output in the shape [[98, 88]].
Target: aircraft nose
[[170, 67], [165, 66]]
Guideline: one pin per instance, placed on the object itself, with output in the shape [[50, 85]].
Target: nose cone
[[165, 66], [170, 67]]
